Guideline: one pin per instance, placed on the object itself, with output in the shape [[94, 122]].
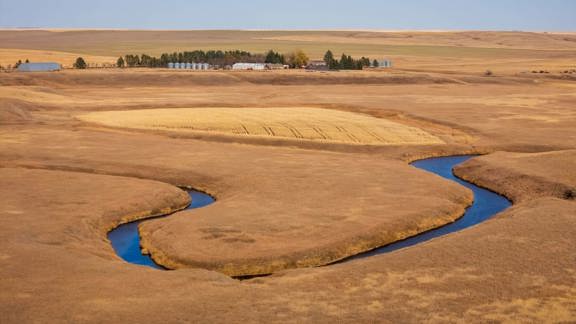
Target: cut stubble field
[[297, 123]]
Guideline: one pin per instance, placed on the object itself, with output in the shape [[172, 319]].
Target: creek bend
[[125, 238]]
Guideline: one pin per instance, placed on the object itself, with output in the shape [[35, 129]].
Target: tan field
[[9, 56], [306, 124], [307, 169], [465, 51]]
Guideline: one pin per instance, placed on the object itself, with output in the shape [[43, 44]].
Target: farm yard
[[307, 169]]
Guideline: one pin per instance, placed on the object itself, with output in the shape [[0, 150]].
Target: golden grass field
[[9, 56], [297, 123], [466, 51], [84, 150]]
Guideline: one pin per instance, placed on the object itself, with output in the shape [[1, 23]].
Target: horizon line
[[374, 30]]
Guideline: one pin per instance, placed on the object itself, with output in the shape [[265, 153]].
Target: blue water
[[486, 204], [126, 239]]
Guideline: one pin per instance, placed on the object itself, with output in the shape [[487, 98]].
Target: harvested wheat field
[[309, 171], [9, 56], [294, 123]]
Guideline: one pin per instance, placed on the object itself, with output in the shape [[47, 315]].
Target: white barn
[[249, 66]]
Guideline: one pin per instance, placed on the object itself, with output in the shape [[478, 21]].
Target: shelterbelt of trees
[[296, 59], [346, 62], [213, 57]]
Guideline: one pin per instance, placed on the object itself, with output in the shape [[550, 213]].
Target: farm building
[[384, 64], [39, 67], [189, 66], [318, 65], [272, 66], [249, 66]]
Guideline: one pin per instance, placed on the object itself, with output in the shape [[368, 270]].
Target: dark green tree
[[365, 61], [17, 64], [375, 64], [328, 57], [270, 57], [164, 60], [80, 63], [343, 62], [274, 58], [27, 61], [120, 62], [330, 61], [132, 60], [146, 60], [347, 63]]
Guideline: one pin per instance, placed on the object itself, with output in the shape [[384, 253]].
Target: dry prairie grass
[[296, 123], [9, 56]]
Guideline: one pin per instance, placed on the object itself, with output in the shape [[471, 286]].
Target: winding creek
[[126, 239], [486, 204]]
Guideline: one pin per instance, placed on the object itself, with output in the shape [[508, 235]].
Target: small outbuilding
[[317, 65], [271, 66], [39, 67]]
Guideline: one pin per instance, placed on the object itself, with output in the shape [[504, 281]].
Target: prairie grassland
[[296, 123], [9, 56], [435, 51]]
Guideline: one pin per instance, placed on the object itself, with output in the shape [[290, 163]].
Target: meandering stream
[[486, 204], [126, 239]]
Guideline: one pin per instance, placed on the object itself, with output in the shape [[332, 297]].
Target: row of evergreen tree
[[223, 58], [220, 58], [346, 62]]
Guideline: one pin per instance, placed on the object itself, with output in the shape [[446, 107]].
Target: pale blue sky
[[536, 15]]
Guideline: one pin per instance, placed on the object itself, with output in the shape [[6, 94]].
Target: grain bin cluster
[[189, 66], [384, 64], [236, 66]]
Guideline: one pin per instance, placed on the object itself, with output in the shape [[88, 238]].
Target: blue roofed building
[[39, 67]]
